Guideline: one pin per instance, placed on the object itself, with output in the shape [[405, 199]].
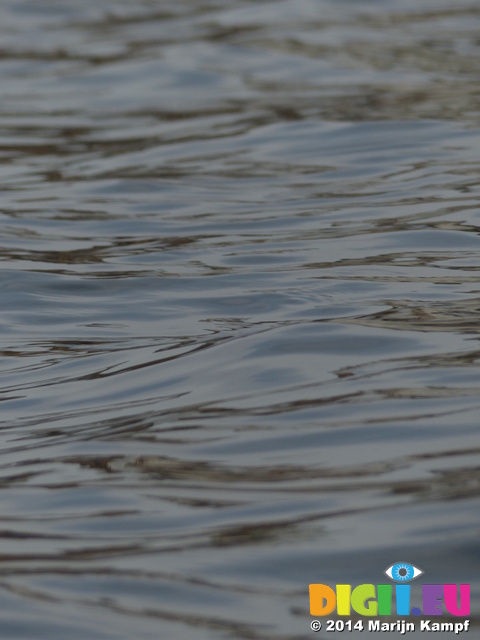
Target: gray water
[[240, 286]]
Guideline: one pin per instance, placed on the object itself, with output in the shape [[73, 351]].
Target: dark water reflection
[[240, 309]]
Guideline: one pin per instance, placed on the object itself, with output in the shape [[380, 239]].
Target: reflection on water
[[240, 306]]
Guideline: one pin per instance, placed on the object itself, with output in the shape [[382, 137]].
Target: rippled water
[[240, 319]]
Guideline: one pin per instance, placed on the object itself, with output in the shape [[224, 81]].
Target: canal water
[[240, 310]]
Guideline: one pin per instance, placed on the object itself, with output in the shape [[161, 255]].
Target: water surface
[[240, 284]]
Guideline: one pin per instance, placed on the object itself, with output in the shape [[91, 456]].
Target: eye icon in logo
[[403, 572]]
